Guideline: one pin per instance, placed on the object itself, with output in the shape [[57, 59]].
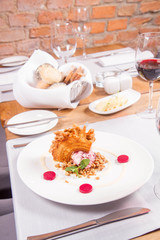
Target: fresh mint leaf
[[71, 168], [84, 163], [76, 171]]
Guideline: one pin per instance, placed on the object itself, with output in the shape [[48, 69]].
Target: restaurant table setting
[[37, 213], [23, 81]]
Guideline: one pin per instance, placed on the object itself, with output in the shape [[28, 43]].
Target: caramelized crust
[[71, 140]]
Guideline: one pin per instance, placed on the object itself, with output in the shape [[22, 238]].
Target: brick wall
[[25, 24]]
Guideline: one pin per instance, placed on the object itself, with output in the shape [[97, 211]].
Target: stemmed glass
[[63, 39], [148, 64], [82, 26], [157, 185]]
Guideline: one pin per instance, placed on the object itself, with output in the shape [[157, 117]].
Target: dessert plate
[[32, 128], [131, 95], [114, 182]]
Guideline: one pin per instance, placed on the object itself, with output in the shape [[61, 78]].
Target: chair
[[7, 227], [5, 186]]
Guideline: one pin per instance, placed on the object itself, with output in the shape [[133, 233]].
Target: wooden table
[[82, 114]]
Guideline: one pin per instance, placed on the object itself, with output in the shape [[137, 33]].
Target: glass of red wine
[[148, 64], [157, 185]]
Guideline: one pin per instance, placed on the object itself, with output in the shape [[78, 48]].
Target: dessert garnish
[[74, 168], [49, 175], [122, 158], [85, 188], [71, 148]]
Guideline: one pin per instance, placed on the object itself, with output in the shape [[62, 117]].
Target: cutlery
[[112, 217], [20, 145], [32, 121], [6, 91]]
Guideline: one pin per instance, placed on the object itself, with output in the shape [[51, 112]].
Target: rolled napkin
[[64, 96]]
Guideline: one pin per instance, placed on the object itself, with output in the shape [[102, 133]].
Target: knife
[[112, 217], [32, 121]]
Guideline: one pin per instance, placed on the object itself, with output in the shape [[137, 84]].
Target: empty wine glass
[[63, 40], [82, 26], [148, 64]]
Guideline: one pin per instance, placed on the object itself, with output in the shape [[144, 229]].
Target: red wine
[[149, 69]]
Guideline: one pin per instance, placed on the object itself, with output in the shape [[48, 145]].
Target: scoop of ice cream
[[78, 156]]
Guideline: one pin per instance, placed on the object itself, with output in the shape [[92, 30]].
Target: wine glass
[[82, 26], [157, 185], [148, 64], [63, 40]]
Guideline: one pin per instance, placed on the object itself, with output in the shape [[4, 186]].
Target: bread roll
[[42, 85], [48, 74]]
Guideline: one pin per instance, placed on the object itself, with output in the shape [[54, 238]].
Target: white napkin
[[119, 58], [61, 97]]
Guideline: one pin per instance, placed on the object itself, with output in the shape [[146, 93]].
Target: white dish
[[13, 61], [116, 180], [32, 128], [132, 96]]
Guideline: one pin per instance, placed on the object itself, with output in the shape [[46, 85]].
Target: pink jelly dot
[[49, 175], [122, 158], [85, 188]]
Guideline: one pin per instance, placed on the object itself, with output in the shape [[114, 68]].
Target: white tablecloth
[[36, 215]]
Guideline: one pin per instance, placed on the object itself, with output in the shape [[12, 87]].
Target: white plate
[[116, 180], [13, 61], [32, 128], [132, 96]]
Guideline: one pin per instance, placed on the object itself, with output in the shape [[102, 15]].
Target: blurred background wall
[[25, 24]]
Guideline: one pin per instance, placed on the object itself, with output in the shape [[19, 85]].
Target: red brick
[[117, 24], [127, 10], [153, 6], [7, 5], [22, 19], [97, 27], [12, 35], [149, 29], [56, 4], [42, 31], [127, 35], [6, 49], [109, 1], [47, 17], [31, 4], [3, 24], [134, 1], [136, 21], [109, 38], [157, 20], [87, 2], [103, 12], [27, 46], [46, 44]]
